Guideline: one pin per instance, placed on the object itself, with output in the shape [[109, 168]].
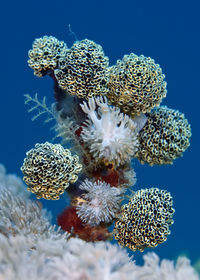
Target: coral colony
[[106, 116]]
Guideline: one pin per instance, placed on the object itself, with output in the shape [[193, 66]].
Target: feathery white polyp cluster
[[21, 215], [109, 134], [102, 202]]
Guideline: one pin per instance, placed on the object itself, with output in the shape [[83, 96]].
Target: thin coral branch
[[40, 107]]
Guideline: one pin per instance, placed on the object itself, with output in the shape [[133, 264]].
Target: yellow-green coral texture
[[136, 84], [165, 136], [84, 70], [49, 169], [144, 221], [45, 54]]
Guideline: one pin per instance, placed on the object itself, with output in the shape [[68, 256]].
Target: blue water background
[[167, 31]]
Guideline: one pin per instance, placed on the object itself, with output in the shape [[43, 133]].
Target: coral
[[106, 115], [12, 183], [49, 169], [153, 269], [45, 54], [136, 84], [32, 249], [109, 134], [39, 107], [144, 221], [84, 70], [164, 137], [93, 261], [25, 217], [23, 258], [99, 203]]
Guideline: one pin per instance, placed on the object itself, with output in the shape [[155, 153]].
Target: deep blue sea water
[[167, 31]]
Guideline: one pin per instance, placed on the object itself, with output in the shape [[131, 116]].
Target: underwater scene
[[99, 155]]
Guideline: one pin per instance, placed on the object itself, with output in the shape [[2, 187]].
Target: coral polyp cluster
[[84, 70], [49, 169], [144, 221], [45, 54], [136, 84], [108, 134], [109, 116], [164, 137], [100, 202]]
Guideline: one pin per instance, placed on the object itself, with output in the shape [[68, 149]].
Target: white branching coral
[[12, 183], [23, 258], [100, 203], [26, 217], [109, 134], [100, 260], [154, 269]]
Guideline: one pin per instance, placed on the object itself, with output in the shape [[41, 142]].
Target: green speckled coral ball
[[84, 70], [136, 84], [49, 169], [144, 221], [165, 136], [45, 54]]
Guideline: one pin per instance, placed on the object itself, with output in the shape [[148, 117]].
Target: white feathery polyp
[[102, 202], [109, 134]]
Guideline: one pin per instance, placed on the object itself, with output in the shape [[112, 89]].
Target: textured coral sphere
[[165, 136], [49, 169], [144, 221], [84, 71], [45, 54], [136, 84]]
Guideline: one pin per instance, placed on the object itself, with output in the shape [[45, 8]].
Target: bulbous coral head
[[45, 54], [165, 136], [84, 71], [49, 169], [136, 84], [144, 221]]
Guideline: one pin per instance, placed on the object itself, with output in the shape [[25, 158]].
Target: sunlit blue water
[[167, 32]]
